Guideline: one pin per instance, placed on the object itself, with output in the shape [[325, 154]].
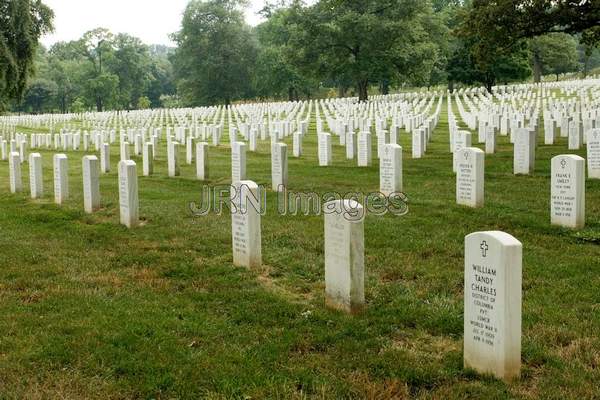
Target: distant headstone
[[137, 146], [36, 180], [91, 184], [297, 143], [279, 167], [61, 178], [148, 159], [128, 194], [190, 143], [125, 151], [351, 147], [418, 143], [490, 140], [238, 162], [567, 206], [470, 177], [202, 161], [253, 139], [105, 158], [173, 159], [365, 152], [344, 255], [593, 154], [549, 131], [492, 310], [14, 170], [245, 224], [390, 169], [324, 149], [524, 151], [575, 136], [462, 139]]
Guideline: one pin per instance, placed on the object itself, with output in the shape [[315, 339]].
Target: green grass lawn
[[90, 309]]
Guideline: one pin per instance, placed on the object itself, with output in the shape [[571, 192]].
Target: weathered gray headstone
[[344, 255], [245, 224]]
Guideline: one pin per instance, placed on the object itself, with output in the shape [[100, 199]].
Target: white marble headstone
[[390, 169], [61, 178], [245, 224], [128, 194], [567, 201], [91, 184], [470, 177], [36, 180], [492, 310], [344, 255]]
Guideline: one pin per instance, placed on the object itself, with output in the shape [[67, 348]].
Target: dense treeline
[[100, 71], [331, 47]]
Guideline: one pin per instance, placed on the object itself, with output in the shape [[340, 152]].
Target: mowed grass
[[90, 309]]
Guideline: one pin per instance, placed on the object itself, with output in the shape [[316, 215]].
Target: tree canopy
[[327, 47], [22, 23]]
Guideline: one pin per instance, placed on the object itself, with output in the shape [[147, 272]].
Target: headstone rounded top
[[573, 157], [502, 237]]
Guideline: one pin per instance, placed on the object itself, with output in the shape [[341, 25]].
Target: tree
[[554, 53], [216, 53], [40, 96], [480, 56], [365, 41], [144, 103], [502, 24], [130, 62], [276, 75], [97, 46], [22, 23]]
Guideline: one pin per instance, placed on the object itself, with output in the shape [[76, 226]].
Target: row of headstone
[[128, 186]]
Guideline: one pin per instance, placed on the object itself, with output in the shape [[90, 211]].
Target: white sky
[[150, 20]]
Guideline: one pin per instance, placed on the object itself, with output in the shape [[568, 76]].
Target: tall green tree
[[98, 47], [216, 53], [276, 75], [130, 62], [22, 23], [554, 53], [502, 24], [365, 41]]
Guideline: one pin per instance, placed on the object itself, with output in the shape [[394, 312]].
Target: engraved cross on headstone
[[484, 248]]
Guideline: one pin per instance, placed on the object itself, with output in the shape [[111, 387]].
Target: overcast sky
[[150, 20]]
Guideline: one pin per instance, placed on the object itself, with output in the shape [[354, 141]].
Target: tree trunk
[[290, 94], [451, 86], [99, 104], [363, 90], [384, 87], [557, 77], [537, 68], [342, 91]]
